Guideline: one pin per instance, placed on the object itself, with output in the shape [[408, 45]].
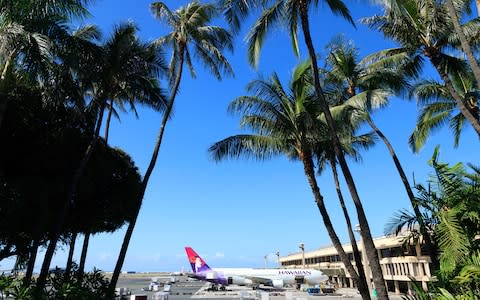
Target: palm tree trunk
[[148, 173], [107, 123], [71, 192], [463, 40], [83, 256], [363, 283], [312, 181], [423, 230], [371, 251], [3, 86], [68, 267], [435, 60], [31, 261], [478, 7]]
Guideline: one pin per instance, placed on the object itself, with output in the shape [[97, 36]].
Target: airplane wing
[[259, 280]]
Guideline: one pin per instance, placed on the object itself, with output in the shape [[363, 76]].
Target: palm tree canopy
[[439, 109], [284, 122], [424, 28], [272, 14], [190, 31], [127, 70]]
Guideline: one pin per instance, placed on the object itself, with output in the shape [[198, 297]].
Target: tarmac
[[186, 288]]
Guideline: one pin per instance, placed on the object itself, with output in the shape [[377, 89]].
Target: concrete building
[[400, 265]]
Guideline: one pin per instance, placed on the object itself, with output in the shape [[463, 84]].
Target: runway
[[186, 288]]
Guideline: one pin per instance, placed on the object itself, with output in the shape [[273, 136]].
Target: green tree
[[438, 108], [190, 34], [455, 9], [124, 66], [365, 85], [296, 14], [424, 29], [450, 205], [284, 122], [26, 32]]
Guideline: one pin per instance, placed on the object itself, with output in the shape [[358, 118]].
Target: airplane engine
[[238, 280], [277, 283]]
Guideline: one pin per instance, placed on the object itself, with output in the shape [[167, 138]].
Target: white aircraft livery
[[276, 278]]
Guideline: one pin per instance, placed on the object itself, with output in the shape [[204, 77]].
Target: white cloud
[[219, 255]]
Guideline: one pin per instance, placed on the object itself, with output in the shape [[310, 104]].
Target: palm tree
[[152, 96], [424, 29], [439, 109], [191, 34], [366, 85], [125, 66], [326, 155], [451, 209], [454, 9], [18, 45], [285, 122], [293, 12], [25, 34]]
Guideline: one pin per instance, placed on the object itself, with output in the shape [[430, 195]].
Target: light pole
[[366, 265], [302, 247], [278, 258], [266, 258]]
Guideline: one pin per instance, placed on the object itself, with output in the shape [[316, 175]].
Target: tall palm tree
[[455, 9], [439, 109], [25, 34], [424, 29], [365, 85], [17, 46], [190, 34], [326, 155], [151, 97], [124, 66], [284, 122], [296, 14]]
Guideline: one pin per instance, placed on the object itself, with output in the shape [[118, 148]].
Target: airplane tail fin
[[197, 263]]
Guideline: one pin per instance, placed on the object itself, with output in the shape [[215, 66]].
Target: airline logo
[[295, 272], [197, 263]]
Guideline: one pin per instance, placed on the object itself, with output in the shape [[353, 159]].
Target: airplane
[[276, 278]]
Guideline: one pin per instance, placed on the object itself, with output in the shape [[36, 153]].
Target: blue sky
[[236, 212]]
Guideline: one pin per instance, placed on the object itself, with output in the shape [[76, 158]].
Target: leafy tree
[[284, 122], [364, 85], [450, 206], [190, 34], [455, 8], [424, 29], [296, 14], [125, 67], [439, 109]]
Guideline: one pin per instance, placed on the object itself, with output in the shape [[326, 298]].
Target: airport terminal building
[[399, 265]]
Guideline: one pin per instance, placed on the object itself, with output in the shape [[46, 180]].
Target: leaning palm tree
[[365, 85], [296, 14], [18, 45], [25, 35], [190, 34], [124, 65], [439, 109], [424, 29], [455, 9], [284, 122], [351, 145]]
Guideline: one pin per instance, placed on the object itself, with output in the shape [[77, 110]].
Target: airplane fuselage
[[272, 277]]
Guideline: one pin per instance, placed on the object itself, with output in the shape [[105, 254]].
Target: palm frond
[[256, 36], [246, 146]]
